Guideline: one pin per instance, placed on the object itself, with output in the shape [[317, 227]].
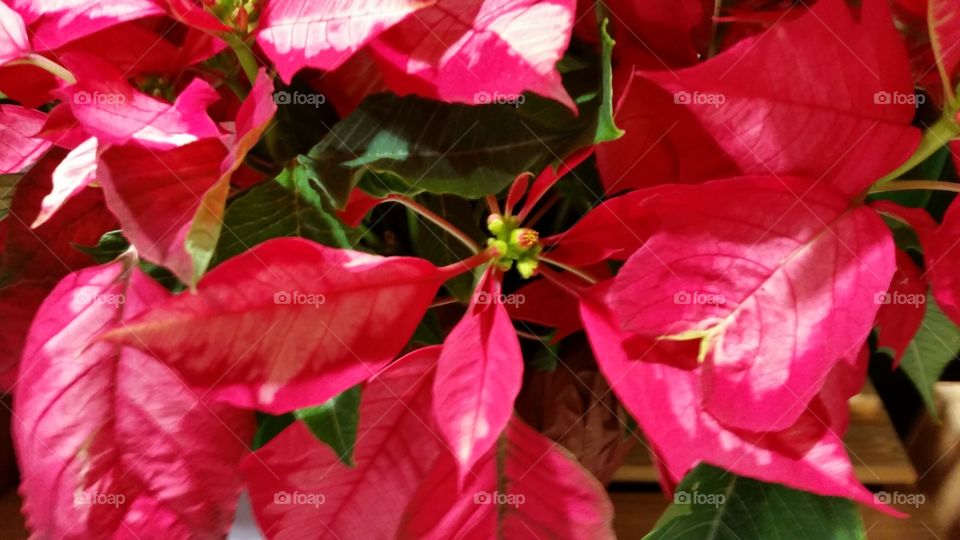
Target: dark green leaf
[[711, 503], [440, 147], [269, 426], [935, 345], [111, 245], [285, 206], [335, 422]]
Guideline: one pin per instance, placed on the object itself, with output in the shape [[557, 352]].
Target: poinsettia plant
[[427, 269]]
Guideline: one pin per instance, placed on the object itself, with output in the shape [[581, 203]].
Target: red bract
[[19, 148], [478, 376], [221, 207], [147, 456], [506, 493], [835, 108], [53, 23], [478, 51], [289, 323], [297, 483], [325, 34], [660, 383], [766, 269]]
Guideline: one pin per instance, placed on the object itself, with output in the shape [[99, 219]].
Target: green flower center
[[517, 245]]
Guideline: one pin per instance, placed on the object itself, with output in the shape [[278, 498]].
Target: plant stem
[[444, 302], [575, 271], [47, 65], [493, 205], [244, 55], [459, 267], [436, 219], [909, 185], [934, 138]]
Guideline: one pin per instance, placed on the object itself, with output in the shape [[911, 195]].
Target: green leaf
[[459, 149], [711, 503], [335, 422], [607, 129], [935, 345], [111, 245], [269, 426], [285, 206], [8, 184]]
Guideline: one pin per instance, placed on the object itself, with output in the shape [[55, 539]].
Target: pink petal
[[71, 176], [761, 107], [542, 302], [13, 35], [943, 259], [324, 34], [157, 196], [19, 148], [478, 377], [54, 23], [768, 267], [114, 112], [475, 51], [394, 451], [660, 384], [111, 442], [542, 492], [288, 324]]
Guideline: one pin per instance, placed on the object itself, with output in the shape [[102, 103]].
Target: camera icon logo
[[881, 298], [481, 98], [82, 97], [881, 98], [282, 298], [681, 497], [281, 497], [682, 298], [681, 98], [282, 97], [481, 497]]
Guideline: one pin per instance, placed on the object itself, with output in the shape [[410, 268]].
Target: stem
[[244, 55], [543, 210], [493, 205], [531, 336], [575, 271], [47, 65], [436, 219], [471, 262], [934, 138], [444, 302], [909, 185]]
